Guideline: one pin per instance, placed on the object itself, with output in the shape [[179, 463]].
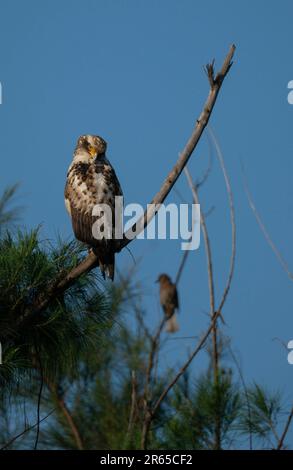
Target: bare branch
[[245, 392], [206, 241], [265, 232], [90, 261], [147, 409], [212, 298], [66, 412], [68, 416], [197, 184], [187, 363], [154, 345], [232, 218], [133, 405], [201, 181], [149, 416], [150, 412], [184, 258], [202, 121], [210, 72], [8, 444], [181, 266], [286, 429]]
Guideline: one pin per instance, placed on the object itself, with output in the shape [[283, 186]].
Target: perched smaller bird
[[169, 302]]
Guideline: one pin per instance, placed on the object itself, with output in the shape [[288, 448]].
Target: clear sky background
[[132, 72]]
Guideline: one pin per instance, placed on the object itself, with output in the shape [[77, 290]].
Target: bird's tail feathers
[[172, 324], [106, 264]]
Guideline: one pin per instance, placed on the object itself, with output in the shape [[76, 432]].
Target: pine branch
[[8, 444], [286, 429], [152, 412], [90, 261], [66, 412]]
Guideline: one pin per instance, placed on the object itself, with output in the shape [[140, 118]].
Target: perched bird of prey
[[91, 180], [169, 301]]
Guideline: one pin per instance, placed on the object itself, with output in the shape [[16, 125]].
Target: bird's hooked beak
[[92, 151]]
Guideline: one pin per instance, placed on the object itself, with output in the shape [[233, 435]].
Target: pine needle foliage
[[81, 363]]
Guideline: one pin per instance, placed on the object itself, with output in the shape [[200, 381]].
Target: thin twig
[[201, 123], [201, 181], [286, 429], [154, 346], [185, 366], [8, 444], [206, 241], [39, 408], [147, 397], [152, 412], [212, 300], [181, 266], [279, 256], [90, 261], [184, 256], [232, 218], [64, 409], [148, 415], [245, 392], [133, 403], [38, 356]]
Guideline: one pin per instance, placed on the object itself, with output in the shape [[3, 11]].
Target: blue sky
[[132, 72]]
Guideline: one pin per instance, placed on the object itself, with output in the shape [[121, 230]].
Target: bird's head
[[163, 278], [93, 145]]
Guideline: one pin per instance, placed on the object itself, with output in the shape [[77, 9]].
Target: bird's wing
[[110, 178], [110, 182], [172, 296], [176, 301], [169, 296], [85, 188], [82, 220]]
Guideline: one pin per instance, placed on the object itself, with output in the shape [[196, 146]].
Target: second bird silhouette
[[169, 301]]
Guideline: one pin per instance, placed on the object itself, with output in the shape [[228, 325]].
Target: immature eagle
[[91, 181], [169, 301]]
